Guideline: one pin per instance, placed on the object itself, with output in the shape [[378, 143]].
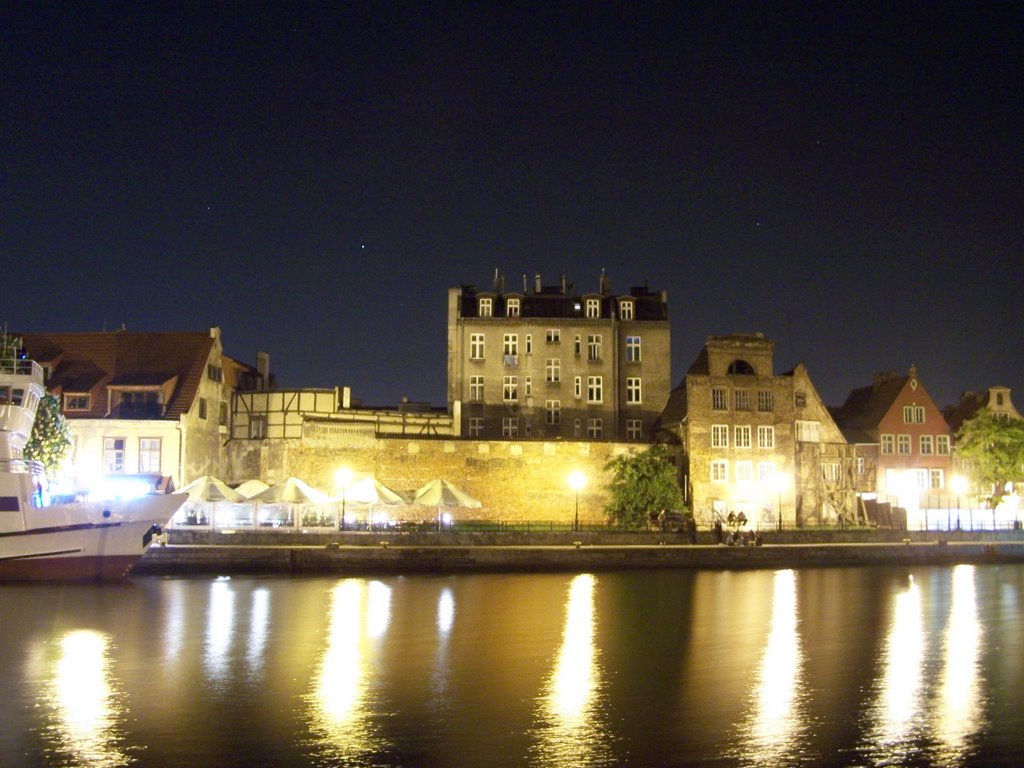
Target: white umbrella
[[370, 491], [207, 491], [441, 493], [250, 488], [293, 492]]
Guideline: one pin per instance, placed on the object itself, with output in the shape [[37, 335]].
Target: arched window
[[740, 368]]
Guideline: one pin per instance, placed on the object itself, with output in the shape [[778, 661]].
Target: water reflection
[[359, 614], [259, 620], [573, 734], [220, 622], [88, 708], [776, 722], [958, 713], [445, 611]]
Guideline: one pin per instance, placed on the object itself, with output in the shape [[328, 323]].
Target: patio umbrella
[[370, 491], [293, 492], [207, 491], [250, 488], [441, 493]]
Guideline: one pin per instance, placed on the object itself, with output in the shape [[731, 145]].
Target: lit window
[[942, 445], [512, 307], [888, 444], [633, 391], [903, 445], [594, 347], [553, 336], [476, 346], [719, 471], [765, 471], [741, 399], [552, 370], [552, 412], [486, 307], [476, 426], [764, 400], [476, 389], [766, 437], [632, 349], [149, 454], [510, 389], [626, 310], [634, 429], [860, 465], [719, 436], [595, 389], [744, 471], [593, 309], [719, 399], [510, 426], [113, 454], [742, 436], [927, 445], [594, 428]]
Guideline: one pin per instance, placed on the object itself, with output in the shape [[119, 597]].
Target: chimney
[[524, 284], [263, 369], [604, 285], [499, 282], [536, 283], [565, 287]]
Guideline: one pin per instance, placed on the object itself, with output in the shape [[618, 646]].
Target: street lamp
[[576, 481], [781, 480], [342, 478], [959, 484]]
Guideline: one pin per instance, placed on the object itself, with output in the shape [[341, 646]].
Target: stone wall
[[515, 481]]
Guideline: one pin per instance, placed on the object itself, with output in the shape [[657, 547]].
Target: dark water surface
[[845, 667]]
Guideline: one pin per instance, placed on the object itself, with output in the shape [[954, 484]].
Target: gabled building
[[549, 362], [895, 423], [997, 400], [152, 407], [757, 443]]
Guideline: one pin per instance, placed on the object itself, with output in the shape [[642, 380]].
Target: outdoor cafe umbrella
[[367, 491], [250, 488], [209, 490], [441, 493], [293, 492]]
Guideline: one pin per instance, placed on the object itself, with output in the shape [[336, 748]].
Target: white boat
[[78, 541]]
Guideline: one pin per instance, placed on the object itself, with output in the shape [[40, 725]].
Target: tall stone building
[[548, 362], [757, 443]]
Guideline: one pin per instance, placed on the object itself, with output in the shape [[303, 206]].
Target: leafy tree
[[642, 483], [50, 441], [994, 445]]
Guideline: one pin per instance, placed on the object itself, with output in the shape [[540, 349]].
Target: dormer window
[[512, 308], [593, 309], [626, 310], [77, 401], [137, 403], [486, 307]]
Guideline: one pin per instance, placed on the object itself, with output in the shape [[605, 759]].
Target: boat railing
[[20, 367], [15, 465]]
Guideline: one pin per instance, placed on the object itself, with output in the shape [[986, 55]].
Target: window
[[913, 414], [510, 344], [860, 465], [719, 471], [594, 429], [577, 428], [741, 399], [578, 387], [903, 445], [149, 454], [76, 402], [113, 454], [799, 399], [632, 349], [577, 345], [742, 436], [634, 429], [486, 307], [476, 426], [140, 404], [529, 343], [719, 399], [626, 310], [888, 444], [512, 308], [633, 391], [830, 471], [257, 427], [593, 309], [552, 412], [214, 372], [528, 386], [935, 478], [552, 370], [595, 389], [553, 336], [594, 347], [744, 471], [202, 407], [510, 389], [927, 445], [476, 346], [476, 389], [222, 415], [764, 400], [765, 471], [510, 426], [766, 437], [942, 445], [719, 436], [807, 431]]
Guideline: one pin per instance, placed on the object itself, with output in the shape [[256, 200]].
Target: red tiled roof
[[89, 362]]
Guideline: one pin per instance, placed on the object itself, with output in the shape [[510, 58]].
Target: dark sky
[[846, 179]]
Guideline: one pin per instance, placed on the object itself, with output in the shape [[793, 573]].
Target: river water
[[844, 667]]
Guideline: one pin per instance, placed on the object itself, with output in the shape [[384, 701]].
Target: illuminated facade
[[757, 443], [895, 423], [552, 363], [151, 407]]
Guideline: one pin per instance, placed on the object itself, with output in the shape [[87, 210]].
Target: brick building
[[551, 363], [755, 442]]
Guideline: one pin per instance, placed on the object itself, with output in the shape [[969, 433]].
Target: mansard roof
[[553, 302], [92, 362]]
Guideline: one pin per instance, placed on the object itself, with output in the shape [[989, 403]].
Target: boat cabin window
[[11, 395]]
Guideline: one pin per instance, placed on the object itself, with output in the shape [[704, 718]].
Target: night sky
[[848, 180]]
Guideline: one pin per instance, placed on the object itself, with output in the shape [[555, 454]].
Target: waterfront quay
[[351, 553]]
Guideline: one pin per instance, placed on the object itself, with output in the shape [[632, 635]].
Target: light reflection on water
[[220, 622]]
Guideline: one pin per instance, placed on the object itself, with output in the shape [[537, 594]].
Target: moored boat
[[78, 541]]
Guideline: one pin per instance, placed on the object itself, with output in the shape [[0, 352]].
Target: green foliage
[[50, 441], [994, 445], [642, 484]]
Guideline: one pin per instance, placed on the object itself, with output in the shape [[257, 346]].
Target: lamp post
[[959, 484], [576, 481], [781, 483], [342, 478]]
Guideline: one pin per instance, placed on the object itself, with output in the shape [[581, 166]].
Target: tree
[[641, 484], [50, 441], [994, 445]]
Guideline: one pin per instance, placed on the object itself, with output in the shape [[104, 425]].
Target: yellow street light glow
[[342, 477], [958, 483], [577, 480]]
